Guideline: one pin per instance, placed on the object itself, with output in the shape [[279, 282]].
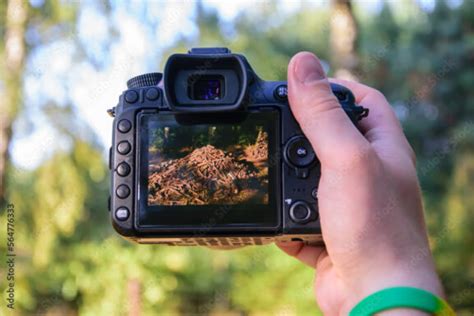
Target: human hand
[[369, 198]]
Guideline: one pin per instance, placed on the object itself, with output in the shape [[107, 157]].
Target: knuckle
[[350, 158], [311, 118], [360, 156], [378, 95], [320, 95], [316, 106]]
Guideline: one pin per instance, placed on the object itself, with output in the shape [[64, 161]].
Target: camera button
[[302, 173], [124, 147], [124, 126], [122, 191], [123, 169], [300, 212], [152, 94], [281, 92], [122, 213], [299, 153], [131, 96]]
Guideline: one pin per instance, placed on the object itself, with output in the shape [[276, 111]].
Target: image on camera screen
[[207, 164]]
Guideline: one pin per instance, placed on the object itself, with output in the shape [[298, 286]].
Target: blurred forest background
[[63, 63], [171, 142]]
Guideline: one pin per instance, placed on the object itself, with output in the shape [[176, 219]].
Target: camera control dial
[[145, 80], [299, 153]]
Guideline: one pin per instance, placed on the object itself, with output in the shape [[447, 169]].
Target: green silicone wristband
[[402, 297]]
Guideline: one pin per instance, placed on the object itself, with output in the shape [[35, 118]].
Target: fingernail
[[308, 69]]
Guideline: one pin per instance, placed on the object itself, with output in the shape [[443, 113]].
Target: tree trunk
[[343, 40], [12, 68]]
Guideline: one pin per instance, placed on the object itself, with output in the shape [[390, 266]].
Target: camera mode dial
[[145, 80]]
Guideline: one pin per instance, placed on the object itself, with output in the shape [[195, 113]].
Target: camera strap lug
[[111, 112]]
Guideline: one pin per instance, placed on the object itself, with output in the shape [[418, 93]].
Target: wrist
[[423, 277], [402, 300]]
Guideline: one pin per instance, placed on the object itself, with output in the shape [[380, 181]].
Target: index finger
[[381, 126], [309, 255], [381, 114]]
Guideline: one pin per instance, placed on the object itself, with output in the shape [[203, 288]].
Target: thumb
[[328, 128]]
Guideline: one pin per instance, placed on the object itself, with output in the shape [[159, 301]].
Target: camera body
[[210, 154]]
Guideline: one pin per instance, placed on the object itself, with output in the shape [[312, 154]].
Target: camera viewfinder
[[206, 87]]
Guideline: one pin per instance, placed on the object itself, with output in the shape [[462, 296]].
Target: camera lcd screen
[[195, 167]]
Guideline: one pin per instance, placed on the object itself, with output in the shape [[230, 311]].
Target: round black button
[[122, 191], [122, 213], [314, 193], [300, 212], [124, 147], [152, 94], [123, 169], [124, 126], [131, 96], [298, 152], [281, 92]]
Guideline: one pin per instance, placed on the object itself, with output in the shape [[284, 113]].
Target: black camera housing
[[214, 89]]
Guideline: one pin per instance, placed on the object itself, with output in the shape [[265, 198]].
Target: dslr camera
[[209, 154]]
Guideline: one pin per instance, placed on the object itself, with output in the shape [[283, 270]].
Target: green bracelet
[[402, 297]]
